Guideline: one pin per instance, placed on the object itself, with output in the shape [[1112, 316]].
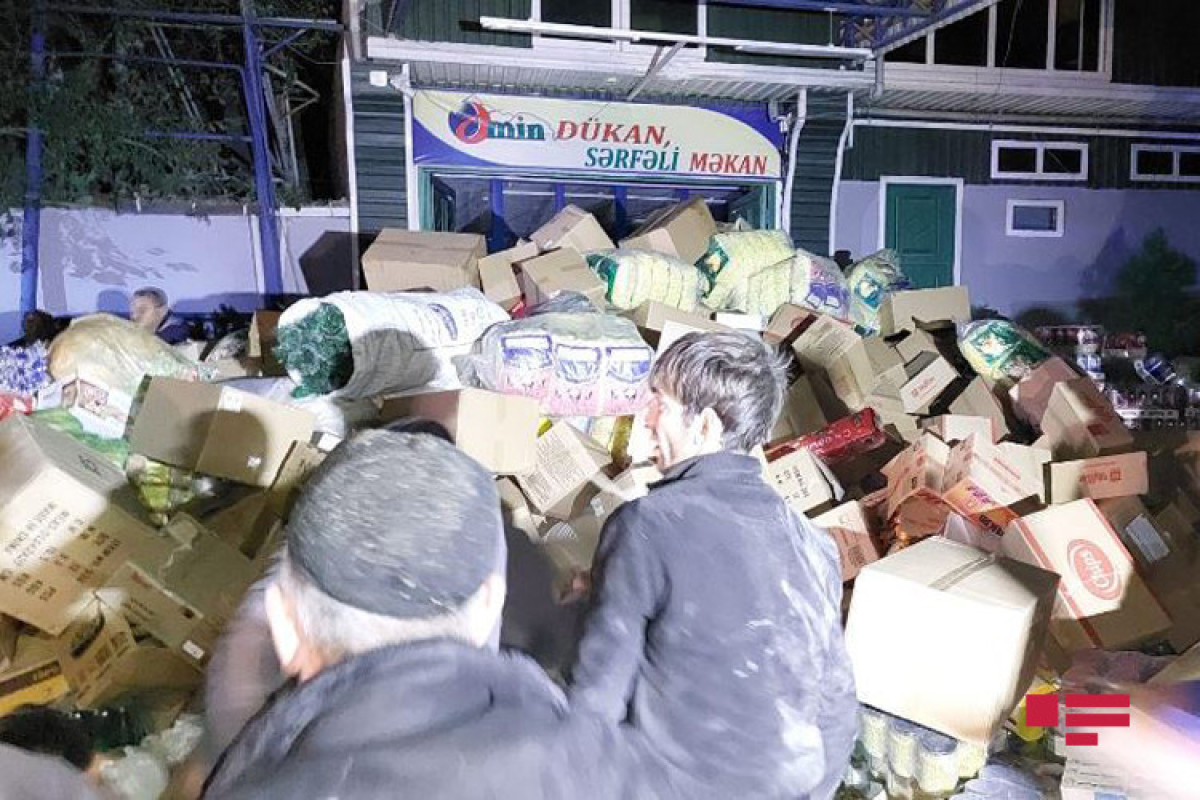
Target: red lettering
[[699, 162], [634, 136], [612, 133], [656, 134], [760, 165], [566, 129]]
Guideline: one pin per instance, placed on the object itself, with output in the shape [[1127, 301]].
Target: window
[[1164, 162], [963, 43], [1021, 34], [1034, 218], [1039, 161], [663, 16]]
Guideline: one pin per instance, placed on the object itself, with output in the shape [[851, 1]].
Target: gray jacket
[[716, 635]]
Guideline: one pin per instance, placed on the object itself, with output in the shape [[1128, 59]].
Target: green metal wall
[[968, 155], [816, 155], [379, 153], [448, 20]]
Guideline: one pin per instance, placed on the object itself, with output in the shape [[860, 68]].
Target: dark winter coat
[[716, 635]]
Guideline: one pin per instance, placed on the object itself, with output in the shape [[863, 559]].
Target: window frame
[[621, 17], [1176, 150], [1059, 207], [1039, 173]]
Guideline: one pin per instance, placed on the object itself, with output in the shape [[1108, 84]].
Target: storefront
[[502, 165]]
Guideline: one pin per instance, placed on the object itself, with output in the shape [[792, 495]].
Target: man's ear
[[712, 430], [283, 630]]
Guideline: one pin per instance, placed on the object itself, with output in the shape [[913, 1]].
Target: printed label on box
[[1147, 539]]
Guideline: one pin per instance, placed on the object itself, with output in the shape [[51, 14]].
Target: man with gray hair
[[715, 635], [382, 609], [150, 310]]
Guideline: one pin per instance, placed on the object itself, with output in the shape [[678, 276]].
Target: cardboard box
[[804, 482], [68, 518], [918, 470], [561, 271], [9, 631], [1031, 462], [1081, 423], [516, 511], [801, 414], [682, 231], [870, 366], [984, 486], [847, 525], [217, 430], [1032, 393], [1099, 478], [497, 430], [823, 342], [948, 636], [33, 677], [958, 528], [979, 401], [100, 409], [229, 369], [185, 600], [301, 462], [930, 308], [751, 323], [572, 228], [928, 377], [673, 331], [1102, 602], [560, 484], [652, 317], [399, 260], [786, 324], [264, 327], [498, 276], [1146, 540], [952, 428], [913, 344]]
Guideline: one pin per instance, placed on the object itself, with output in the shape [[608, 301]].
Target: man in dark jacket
[[716, 633], [382, 609], [149, 309]]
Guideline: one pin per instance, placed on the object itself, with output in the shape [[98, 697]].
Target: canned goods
[[900, 788], [902, 747], [937, 764], [971, 759], [874, 732]]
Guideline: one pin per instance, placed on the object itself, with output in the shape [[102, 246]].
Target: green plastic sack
[[870, 280], [63, 421], [317, 347], [765, 290], [634, 277], [1001, 351], [733, 258]]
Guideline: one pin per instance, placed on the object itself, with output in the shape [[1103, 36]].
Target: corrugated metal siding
[[1154, 43], [816, 155], [968, 155], [457, 20], [379, 153]]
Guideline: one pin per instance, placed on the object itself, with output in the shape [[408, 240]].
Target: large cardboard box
[[978, 400], [301, 462], [871, 365], [516, 510], [802, 413], [264, 330], [561, 271], [1149, 542], [951, 428], [673, 330], [786, 324], [847, 525], [918, 470], [652, 317], [682, 231], [33, 677], [804, 482], [1099, 478], [1102, 602], [68, 518], [400, 260], [572, 228], [1081, 423], [1032, 393], [984, 486], [948, 636], [930, 308], [217, 430], [185, 600], [567, 460], [929, 376], [1031, 462], [823, 342], [498, 276], [497, 430]]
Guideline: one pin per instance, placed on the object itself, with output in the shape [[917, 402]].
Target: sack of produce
[[584, 364], [869, 281], [119, 354], [634, 277], [337, 416], [999, 350], [818, 283], [732, 258], [363, 344]]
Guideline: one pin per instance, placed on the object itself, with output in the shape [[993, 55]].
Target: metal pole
[[264, 187], [32, 212]]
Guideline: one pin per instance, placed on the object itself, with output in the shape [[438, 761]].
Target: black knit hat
[[401, 524]]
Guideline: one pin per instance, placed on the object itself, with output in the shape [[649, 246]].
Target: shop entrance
[[507, 207]]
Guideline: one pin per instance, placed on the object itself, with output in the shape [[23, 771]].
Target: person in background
[[715, 635], [36, 326], [382, 610], [45, 755], [150, 310]]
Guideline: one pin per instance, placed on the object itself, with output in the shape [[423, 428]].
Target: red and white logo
[[1095, 569]]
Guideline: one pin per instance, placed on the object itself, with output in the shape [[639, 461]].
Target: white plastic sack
[[333, 415], [818, 283], [733, 258], [404, 340]]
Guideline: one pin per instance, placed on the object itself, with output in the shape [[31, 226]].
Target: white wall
[[93, 259], [1102, 229]]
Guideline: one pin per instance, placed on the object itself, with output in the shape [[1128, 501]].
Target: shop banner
[[462, 129]]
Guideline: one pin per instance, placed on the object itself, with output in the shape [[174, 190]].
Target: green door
[[921, 220]]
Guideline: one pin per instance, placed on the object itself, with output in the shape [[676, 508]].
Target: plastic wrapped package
[[333, 415], [63, 421], [818, 283], [868, 282], [732, 258], [584, 364], [765, 291], [999, 350], [396, 341], [163, 489], [119, 354], [24, 370], [634, 277]]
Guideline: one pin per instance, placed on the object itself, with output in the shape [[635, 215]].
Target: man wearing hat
[[382, 609]]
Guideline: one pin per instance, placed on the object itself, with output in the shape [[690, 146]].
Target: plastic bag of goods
[[869, 281], [119, 354], [818, 283], [1000, 351], [733, 257], [12, 404], [63, 421], [585, 364], [333, 415], [363, 344], [162, 489], [634, 277], [24, 370]]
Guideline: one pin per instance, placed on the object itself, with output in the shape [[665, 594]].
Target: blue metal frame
[[947, 9], [31, 215], [498, 230], [836, 7], [264, 185]]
